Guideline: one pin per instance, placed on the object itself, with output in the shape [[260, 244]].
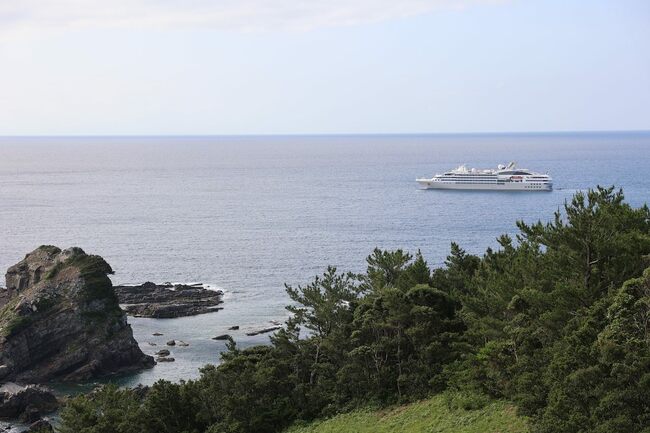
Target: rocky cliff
[[60, 319]]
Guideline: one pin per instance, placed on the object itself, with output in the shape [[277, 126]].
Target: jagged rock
[[165, 359], [60, 319], [163, 352], [40, 426], [168, 301], [26, 402], [263, 331], [221, 337], [171, 343], [181, 343], [234, 328]]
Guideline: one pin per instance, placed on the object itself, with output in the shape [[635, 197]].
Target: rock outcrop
[[60, 319], [167, 301], [28, 403], [31, 270]]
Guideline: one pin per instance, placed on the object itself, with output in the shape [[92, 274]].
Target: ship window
[[517, 172]]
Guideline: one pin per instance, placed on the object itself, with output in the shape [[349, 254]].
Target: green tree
[[600, 373], [107, 410], [524, 296], [455, 278], [556, 319], [386, 269]]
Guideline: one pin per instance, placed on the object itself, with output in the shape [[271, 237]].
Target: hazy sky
[[317, 66]]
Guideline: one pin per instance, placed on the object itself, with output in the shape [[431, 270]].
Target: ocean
[[249, 214]]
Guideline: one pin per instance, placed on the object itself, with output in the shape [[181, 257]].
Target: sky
[[203, 67]]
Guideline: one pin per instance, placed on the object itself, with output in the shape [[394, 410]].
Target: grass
[[16, 325], [54, 271], [434, 415], [9, 320], [93, 270]]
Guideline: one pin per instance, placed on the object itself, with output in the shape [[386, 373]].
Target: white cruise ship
[[504, 178]]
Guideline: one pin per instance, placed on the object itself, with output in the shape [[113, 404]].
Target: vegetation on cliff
[[60, 319], [556, 321], [94, 271]]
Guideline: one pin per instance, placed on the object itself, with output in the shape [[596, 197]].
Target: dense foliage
[[556, 320]]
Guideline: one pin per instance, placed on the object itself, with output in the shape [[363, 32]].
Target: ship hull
[[506, 186]]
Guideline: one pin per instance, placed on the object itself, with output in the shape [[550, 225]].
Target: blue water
[[249, 214]]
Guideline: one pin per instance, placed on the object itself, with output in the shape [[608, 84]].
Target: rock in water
[[264, 330], [60, 319], [165, 359], [168, 301], [222, 337]]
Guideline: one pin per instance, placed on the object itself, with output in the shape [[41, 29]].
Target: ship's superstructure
[[504, 178]]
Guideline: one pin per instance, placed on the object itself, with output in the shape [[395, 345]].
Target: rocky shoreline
[[62, 320], [28, 404], [164, 301]]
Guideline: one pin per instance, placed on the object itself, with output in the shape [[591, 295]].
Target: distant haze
[[130, 67]]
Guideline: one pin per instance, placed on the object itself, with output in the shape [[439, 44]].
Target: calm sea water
[[249, 214]]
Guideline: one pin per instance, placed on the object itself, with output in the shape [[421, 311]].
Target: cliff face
[[60, 319]]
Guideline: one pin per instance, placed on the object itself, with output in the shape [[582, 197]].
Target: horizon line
[[331, 134]]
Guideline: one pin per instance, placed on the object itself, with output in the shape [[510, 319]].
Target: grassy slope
[[428, 416]]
